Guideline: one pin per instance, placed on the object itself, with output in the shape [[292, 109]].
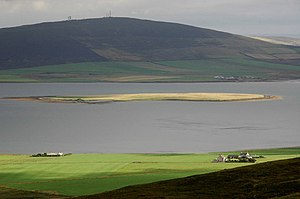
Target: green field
[[272, 180], [241, 69], [83, 174]]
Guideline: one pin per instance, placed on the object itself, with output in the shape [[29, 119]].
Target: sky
[[246, 17]]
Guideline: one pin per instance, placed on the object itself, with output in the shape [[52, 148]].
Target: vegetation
[[6, 192], [132, 50], [213, 97], [83, 174], [204, 70], [279, 179], [168, 96]]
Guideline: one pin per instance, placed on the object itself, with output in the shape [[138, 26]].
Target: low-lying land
[[85, 174], [227, 69], [211, 97]]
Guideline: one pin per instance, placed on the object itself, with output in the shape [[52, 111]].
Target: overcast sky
[[247, 17]]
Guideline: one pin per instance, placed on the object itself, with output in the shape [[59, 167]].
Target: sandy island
[[97, 99]]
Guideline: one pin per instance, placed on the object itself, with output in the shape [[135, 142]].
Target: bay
[[148, 127]]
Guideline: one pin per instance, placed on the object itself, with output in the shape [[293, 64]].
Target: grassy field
[[205, 70], [83, 174], [273, 180]]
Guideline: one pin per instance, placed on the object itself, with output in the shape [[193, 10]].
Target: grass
[[278, 179], [150, 97], [83, 174], [14, 78], [160, 71]]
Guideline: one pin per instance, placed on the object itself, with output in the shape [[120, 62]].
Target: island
[[107, 98]]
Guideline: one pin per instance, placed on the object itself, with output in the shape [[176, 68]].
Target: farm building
[[59, 154], [242, 157], [220, 158]]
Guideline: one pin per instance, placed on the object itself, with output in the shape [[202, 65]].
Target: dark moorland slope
[[9, 193], [127, 39], [279, 179]]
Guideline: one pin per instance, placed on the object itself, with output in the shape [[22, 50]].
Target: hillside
[[133, 50], [126, 39], [279, 179], [6, 193]]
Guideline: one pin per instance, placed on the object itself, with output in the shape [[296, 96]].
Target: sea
[[148, 126]]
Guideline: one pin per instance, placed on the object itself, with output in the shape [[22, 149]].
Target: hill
[[133, 50], [279, 179], [126, 39]]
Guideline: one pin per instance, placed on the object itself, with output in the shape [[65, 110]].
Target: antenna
[[108, 14]]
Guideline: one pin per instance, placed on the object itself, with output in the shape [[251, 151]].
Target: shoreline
[[150, 82], [169, 153]]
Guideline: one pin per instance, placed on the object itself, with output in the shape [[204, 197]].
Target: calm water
[[136, 127]]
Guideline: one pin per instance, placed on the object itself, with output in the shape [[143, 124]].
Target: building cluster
[[242, 157], [233, 78], [59, 154]]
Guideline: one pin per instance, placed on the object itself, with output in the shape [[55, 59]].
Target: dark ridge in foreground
[[10, 193], [278, 179]]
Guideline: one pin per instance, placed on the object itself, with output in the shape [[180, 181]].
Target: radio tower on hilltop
[[109, 14]]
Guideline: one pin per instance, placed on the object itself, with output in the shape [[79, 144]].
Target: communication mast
[[108, 14]]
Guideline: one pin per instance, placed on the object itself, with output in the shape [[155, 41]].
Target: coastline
[[147, 82]]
